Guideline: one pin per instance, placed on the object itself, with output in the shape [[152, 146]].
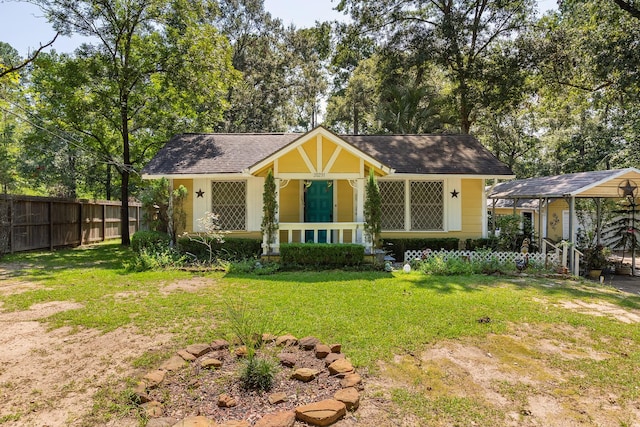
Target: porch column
[[598, 203]]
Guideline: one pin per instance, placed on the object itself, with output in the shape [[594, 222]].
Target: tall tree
[[460, 35], [155, 65]]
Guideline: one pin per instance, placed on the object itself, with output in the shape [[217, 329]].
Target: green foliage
[[372, 210], [398, 246], [482, 243], [154, 197], [269, 224], [510, 232], [320, 254], [149, 240], [231, 249], [257, 373], [253, 266], [450, 265], [155, 259]]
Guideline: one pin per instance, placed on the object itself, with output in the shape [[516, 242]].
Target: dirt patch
[[523, 378], [603, 309], [49, 378], [188, 285]]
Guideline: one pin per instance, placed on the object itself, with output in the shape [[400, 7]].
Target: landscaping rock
[[308, 343], [267, 338], [351, 380], [276, 398], [226, 401], [186, 356], [173, 364], [336, 348], [304, 374], [349, 396], [199, 421], [154, 378], [235, 424], [198, 349], [218, 345], [341, 368], [333, 357], [152, 409], [278, 419], [287, 359], [322, 351], [210, 363], [323, 413], [140, 392], [286, 340], [162, 422], [242, 351]]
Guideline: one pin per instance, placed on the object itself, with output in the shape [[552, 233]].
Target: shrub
[[150, 241], [399, 246], [320, 254], [149, 259], [257, 374], [230, 250], [482, 243]]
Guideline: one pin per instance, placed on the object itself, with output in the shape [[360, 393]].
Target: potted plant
[[595, 259]]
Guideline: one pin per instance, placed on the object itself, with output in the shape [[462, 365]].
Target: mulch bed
[[194, 390]]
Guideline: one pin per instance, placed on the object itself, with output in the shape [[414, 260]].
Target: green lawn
[[375, 315]]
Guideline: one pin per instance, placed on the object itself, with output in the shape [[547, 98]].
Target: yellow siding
[[289, 206], [188, 202], [311, 149], [472, 194], [346, 163], [328, 149], [292, 162], [345, 202], [554, 219]]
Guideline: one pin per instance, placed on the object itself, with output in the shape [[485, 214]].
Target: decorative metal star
[[628, 189], [200, 193], [455, 193]]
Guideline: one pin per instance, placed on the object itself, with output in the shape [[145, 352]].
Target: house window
[[392, 195], [228, 200], [427, 205]]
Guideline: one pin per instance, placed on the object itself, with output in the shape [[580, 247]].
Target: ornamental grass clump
[[257, 373]]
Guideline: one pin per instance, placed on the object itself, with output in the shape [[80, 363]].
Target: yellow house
[[431, 185], [553, 220]]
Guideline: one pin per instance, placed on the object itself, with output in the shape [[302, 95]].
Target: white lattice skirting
[[503, 257]]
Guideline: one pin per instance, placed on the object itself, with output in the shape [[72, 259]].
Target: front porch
[[318, 232]]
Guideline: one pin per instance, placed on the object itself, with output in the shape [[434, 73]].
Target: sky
[[23, 26]]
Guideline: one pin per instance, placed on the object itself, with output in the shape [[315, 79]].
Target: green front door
[[318, 207]]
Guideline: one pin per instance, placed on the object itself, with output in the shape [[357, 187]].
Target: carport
[[597, 185]]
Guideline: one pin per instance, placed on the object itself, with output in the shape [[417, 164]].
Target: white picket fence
[[503, 257]]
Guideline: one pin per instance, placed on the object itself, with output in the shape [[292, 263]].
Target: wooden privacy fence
[[28, 223]]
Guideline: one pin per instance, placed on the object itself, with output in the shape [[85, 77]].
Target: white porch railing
[[301, 232], [564, 253]]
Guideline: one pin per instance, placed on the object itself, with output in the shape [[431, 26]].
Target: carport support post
[[539, 223], [572, 230], [598, 202]]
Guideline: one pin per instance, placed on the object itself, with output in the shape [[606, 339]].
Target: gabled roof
[[568, 185], [200, 154]]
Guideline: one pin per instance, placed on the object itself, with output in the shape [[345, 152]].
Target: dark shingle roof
[[430, 154], [411, 154], [194, 154]]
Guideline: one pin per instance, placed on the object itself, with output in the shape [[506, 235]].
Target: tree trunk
[[126, 169]]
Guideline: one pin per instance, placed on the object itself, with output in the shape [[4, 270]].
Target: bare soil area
[[50, 377]]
